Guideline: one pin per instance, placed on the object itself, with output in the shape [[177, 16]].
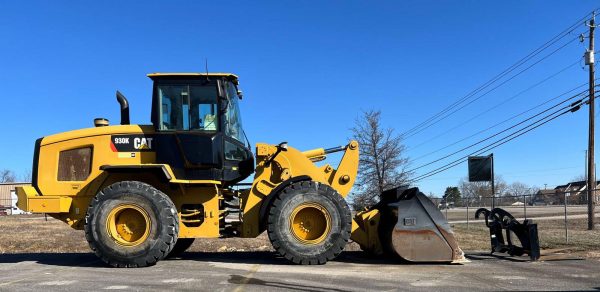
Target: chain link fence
[[543, 205]]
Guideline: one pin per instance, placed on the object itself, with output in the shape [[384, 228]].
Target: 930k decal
[[132, 143]]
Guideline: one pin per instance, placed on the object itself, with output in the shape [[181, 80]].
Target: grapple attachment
[[409, 226]]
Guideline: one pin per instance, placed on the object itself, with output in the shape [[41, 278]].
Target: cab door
[[238, 161], [189, 138]]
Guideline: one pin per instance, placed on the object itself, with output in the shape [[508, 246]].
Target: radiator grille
[[75, 164]]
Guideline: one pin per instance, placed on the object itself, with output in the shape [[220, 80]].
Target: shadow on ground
[[271, 258], [246, 257], [549, 257], [241, 280], [249, 257], [54, 259]]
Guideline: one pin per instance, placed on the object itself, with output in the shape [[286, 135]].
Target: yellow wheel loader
[[143, 193]]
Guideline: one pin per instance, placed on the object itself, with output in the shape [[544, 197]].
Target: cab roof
[[230, 76]]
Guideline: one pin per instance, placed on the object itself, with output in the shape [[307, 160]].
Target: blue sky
[[307, 70]]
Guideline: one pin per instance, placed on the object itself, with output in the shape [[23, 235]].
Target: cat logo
[[142, 143]]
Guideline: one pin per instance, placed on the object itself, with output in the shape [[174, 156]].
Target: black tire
[[330, 244], [180, 247], [159, 237]]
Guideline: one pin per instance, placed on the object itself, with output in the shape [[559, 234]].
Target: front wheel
[[131, 224], [309, 223]]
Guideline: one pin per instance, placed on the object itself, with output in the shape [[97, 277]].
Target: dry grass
[[32, 234]]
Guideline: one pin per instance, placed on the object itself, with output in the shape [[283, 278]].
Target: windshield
[[233, 118], [188, 107]]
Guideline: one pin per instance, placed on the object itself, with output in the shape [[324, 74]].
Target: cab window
[[233, 118], [188, 107]]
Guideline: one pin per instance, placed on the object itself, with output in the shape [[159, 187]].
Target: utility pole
[[493, 183], [591, 179]]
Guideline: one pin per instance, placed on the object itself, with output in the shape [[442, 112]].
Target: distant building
[[576, 193], [8, 198], [545, 197]]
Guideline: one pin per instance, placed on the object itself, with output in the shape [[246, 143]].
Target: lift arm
[[278, 165]]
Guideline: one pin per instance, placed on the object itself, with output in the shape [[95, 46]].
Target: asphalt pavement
[[264, 271]]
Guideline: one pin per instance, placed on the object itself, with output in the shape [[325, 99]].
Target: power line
[[499, 123], [535, 52], [489, 91], [474, 92], [464, 158], [572, 108], [508, 129], [490, 109], [492, 136]]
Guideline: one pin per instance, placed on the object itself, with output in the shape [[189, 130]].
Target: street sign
[[481, 168]]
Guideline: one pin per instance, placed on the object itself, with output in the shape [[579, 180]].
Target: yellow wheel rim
[[310, 223], [128, 224]]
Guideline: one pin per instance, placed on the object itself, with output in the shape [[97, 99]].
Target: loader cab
[[198, 125]]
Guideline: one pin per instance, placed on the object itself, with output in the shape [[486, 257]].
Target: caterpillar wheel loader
[[143, 193]]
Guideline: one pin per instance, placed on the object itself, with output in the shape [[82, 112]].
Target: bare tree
[[7, 176], [26, 177], [431, 195], [382, 162], [479, 192], [473, 192], [518, 189], [534, 189]]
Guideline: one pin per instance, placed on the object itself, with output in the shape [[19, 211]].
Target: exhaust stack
[[124, 108]]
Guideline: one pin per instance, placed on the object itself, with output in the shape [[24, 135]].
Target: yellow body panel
[[209, 198], [29, 200], [97, 131], [23, 193], [99, 139], [49, 205]]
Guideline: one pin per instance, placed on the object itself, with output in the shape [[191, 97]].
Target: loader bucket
[[413, 228]]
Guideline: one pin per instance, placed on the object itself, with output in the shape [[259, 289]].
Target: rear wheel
[[309, 223], [131, 224], [180, 247]]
